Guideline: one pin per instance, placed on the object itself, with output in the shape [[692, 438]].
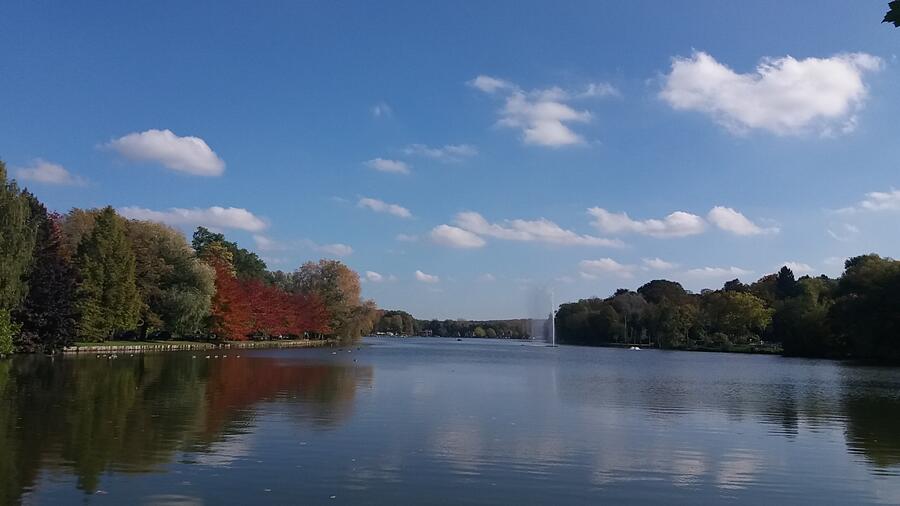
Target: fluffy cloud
[[490, 84], [449, 152], [798, 268], [380, 206], [374, 277], [455, 237], [732, 221], [267, 244], [392, 166], [540, 230], [591, 269], [677, 224], [717, 272], [783, 95], [876, 201], [427, 278], [42, 171], [190, 155], [658, 264], [214, 217], [543, 116]]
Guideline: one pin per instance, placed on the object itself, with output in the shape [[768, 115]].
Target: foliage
[[47, 314], [866, 311], [7, 330], [507, 329], [893, 14], [337, 287], [17, 244], [107, 298], [175, 287], [246, 264]]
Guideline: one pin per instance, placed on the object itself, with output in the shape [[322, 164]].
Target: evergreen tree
[[47, 313], [107, 297], [16, 242]]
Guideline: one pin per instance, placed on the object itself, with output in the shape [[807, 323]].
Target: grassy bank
[[155, 346]]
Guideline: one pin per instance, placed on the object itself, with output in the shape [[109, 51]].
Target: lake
[[439, 421]]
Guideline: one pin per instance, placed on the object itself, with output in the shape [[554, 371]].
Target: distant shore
[[111, 347]]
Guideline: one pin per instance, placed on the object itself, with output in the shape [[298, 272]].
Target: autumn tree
[[337, 287], [107, 298], [246, 264]]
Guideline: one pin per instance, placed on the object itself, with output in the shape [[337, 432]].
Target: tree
[[659, 289], [801, 323], [47, 314], [229, 312], [107, 298], [175, 287], [739, 316], [866, 312], [246, 264], [337, 286], [893, 14], [7, 330], [17, 236], [785, 284], [479, 332]]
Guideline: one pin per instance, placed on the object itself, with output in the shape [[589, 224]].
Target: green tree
[[801, 323], [893, 14], [47, 314], [247, 264], [17, 236], [479, 332], [7, 330], [107, 298], [739, 316], [175, 287], [866, 312]]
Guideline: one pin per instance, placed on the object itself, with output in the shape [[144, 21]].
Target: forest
[[856, 315], [402, 323], [94, 276]]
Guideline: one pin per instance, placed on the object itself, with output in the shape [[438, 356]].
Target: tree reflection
[[88, 415]]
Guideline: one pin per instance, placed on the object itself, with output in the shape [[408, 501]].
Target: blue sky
[[490, 146]]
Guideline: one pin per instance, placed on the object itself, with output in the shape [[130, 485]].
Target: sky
[[466, 156]]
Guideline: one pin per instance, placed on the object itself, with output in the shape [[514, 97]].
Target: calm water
[[432, 421]]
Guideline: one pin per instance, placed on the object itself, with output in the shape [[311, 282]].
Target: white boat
[[634, 348]]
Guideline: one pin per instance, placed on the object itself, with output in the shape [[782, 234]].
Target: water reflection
[[86, 416], [452, 423]]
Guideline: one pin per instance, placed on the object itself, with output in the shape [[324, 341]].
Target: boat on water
[[634, 348]]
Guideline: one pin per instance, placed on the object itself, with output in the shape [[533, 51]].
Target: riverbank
[[754, 349], [115, 347]]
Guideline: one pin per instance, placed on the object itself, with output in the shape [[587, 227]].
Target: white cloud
[[449, 152], [543, 121], [717, 272], [190, 155], [798, 268], [490, 84], [407, 238], [542, 115], [591, 269], [336, 249], [540, 230], [733, 221], [876, 201], [677, 224], [658, 264], [455, 237], [784, 95], [385, 165], [382, 110], [214, 217], [380, 206], [42, 171], [374, 277], [427, 278], [487, 277]]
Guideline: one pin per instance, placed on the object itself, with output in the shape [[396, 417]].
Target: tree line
[[856, 315], [403, 323], [92, 275]]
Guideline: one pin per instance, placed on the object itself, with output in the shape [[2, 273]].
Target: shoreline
[[162, 346]]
